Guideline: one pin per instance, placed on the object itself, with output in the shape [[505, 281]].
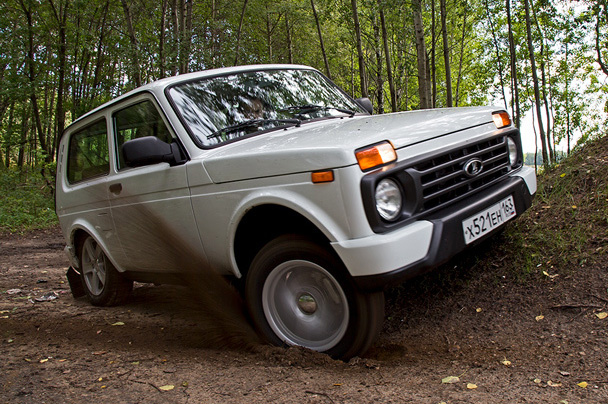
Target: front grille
[[442, 177]]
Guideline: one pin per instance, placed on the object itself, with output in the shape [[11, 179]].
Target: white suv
[[275, 176]]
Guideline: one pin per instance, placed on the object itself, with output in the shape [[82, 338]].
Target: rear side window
[[139, 120], [88, 153]]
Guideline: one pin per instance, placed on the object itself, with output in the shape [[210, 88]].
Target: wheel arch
[[263, 223], [79, 233]]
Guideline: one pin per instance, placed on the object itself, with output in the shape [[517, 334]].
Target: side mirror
[[150, 150], [366, 104]]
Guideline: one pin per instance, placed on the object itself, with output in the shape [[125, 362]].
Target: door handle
[[116, 188]]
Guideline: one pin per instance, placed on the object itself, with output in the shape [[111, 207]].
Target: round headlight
[[512, 151], [388, 199]]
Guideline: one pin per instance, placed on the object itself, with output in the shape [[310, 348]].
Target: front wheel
[[102, 283], [299, 293]]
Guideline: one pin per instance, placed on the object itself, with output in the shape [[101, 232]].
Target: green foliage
[[26, 201], [100, 57]]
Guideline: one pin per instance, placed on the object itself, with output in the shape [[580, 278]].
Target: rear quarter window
[[88, 153]]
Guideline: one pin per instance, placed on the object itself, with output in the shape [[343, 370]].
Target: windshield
[[221, 109]]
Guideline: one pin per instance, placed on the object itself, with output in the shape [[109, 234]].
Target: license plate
[[487, 220]]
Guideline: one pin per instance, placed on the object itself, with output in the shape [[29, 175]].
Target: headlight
[[512, 151], [388, 199]]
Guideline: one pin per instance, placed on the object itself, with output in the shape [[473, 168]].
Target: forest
[[542, 59]]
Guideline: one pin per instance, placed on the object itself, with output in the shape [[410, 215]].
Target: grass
[[567, 226], [26, 201]]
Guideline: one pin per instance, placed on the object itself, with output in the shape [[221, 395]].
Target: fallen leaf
[[167, 387], [563, 175], [100, 379], [506, 362], [43, 360], [471, 386], [552, 384], [119, 323], [601, 315], [538, 318], [450, 380], [574, 207], [583, 385]]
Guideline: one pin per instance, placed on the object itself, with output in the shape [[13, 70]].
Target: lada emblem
[[473, 167]]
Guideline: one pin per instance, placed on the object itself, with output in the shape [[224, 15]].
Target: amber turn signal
[[501, 119], [322, 176], [376, 155]]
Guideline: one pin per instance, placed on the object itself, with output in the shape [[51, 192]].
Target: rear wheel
[[103, 284], [299, 293]]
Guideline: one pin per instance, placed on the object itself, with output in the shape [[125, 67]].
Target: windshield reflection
[[215, 109]]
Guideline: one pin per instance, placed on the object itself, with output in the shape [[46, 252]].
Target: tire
[[102, 283], [300, 293]]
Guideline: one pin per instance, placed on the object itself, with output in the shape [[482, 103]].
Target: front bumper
[[382, 259]]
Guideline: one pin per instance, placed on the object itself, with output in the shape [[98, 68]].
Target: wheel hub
[[307, 303]]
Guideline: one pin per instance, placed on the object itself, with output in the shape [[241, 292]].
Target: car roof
[[159, 85]]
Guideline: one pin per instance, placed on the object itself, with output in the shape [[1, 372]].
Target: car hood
[[331, 143]]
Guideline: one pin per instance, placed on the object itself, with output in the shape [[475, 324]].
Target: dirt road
[[541, 340]]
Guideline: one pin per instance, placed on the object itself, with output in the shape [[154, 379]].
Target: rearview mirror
[[150, 150], [366, 104]]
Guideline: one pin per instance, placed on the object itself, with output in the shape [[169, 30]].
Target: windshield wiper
[[250, 123], [306, 108]]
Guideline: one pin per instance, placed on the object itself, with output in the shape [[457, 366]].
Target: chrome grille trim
[[442, 180]]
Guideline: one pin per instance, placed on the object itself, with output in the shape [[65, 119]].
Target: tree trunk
[[9, 136], [23, 140], [314, 12], [446, 55], [379, 81], [238, 34], [462, 41], [186, 38], [32, 78], [61, 17], [135, 65], [423, 81], [389, 64], [100, 52], [162, 39], [536, 86], [432, 62], [362, 76], [599, 47], [514, 84], [290, 41], [543, 76], [498, 58]]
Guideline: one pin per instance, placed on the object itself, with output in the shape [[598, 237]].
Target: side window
[[88, 153], [136, 121]]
